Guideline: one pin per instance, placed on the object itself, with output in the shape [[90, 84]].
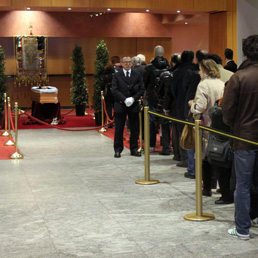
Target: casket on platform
[[45, 94]]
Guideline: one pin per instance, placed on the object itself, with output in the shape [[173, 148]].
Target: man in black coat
[[230, 63], [127, 88]]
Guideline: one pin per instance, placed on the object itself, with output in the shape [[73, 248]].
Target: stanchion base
[[5, 133], [16, 155], [144, 182], [9, 143], [86, 113], [102, 130], [93, 118], [194, 217]]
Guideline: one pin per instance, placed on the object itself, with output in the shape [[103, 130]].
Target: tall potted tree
[[102, 57], [3, 82], [79, 94]]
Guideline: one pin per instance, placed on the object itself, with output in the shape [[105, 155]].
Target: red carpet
[[5, 151], [111, 134], [71, 120]]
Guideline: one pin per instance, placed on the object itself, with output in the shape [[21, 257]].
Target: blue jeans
[[191, 162], [245, 161]]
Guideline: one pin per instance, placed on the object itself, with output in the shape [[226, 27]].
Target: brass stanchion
[[9, 142], [140, 126], [5, 133], [103, 129], [199, 215], [147, 180], [16, 155]]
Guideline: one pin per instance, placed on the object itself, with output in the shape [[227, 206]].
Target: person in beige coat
[[209, 90]]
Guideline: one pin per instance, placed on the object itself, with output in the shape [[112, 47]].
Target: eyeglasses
[[127, 62]]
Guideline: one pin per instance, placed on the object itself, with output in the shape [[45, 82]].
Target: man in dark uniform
[[127, 88], [230, 63]]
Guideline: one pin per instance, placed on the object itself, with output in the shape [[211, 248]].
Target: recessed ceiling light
[[91, 15], [100, 13], [147, 10], [178, 11], [28, 8], [69, 8], [108, 9], [96, 14], [186, 23]]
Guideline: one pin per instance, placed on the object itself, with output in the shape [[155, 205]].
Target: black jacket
[[123, 88], [153, 70], [231, 66]]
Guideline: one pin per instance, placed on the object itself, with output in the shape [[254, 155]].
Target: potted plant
[[79, 94], [102, 57], [3, 82]]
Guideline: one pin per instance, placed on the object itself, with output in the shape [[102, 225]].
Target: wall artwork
[[31, 60]]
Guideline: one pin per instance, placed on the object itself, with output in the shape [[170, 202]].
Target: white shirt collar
[[127, 71]]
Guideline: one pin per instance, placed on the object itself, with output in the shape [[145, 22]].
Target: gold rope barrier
[[140, 126], [199, 215], [147, 180], [16, 155], [9, 142], [5, 133], [103, 129]]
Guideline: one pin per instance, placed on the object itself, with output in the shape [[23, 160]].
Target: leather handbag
[[187, 140], [219, 151]]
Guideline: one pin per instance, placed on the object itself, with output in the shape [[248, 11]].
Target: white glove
[[129, 101]]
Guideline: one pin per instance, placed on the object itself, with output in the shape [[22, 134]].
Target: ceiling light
[[108, 9], [91, 15], [28, 8], [178, 11], [100, 13], [96, 14], [69, 8], [147, 10], [186, 23]]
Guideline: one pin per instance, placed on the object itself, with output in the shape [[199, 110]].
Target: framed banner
[[31, 60]]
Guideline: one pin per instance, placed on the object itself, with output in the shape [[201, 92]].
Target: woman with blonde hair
[[209, 90]]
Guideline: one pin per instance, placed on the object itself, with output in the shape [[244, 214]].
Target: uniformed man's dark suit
[[123, 88]]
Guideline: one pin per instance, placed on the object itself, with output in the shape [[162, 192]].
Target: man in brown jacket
[[240, 111]]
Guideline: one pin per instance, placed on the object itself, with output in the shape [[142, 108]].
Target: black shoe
[[182, 164], [189, 175], [206, 192], [165, 153], [117, 154], [136, 154], [221, 201]]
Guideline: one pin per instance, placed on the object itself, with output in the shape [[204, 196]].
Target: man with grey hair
[[136, 61], [143, 59], [153, 71]]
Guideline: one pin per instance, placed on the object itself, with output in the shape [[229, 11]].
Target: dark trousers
[[165, 129], [175, 141], [120, 119], [224, 176], [206, 175]]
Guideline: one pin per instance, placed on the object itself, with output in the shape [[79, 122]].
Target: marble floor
[[69, 197]]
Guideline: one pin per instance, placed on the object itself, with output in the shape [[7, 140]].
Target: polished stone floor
[[69, 197]]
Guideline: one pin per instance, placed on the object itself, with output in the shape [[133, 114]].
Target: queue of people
[[188, 90]]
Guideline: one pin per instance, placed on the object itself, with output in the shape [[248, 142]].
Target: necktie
[[127, 74]]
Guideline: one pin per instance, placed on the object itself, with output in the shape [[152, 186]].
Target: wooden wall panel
[[30, 3], [204, 5], [175, 4], [5, 2], [70, 3], [143, 4], [222, 33], [218, 33], [146, 46], [109, 3]]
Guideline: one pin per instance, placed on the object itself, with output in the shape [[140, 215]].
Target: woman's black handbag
[[219, 151]]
